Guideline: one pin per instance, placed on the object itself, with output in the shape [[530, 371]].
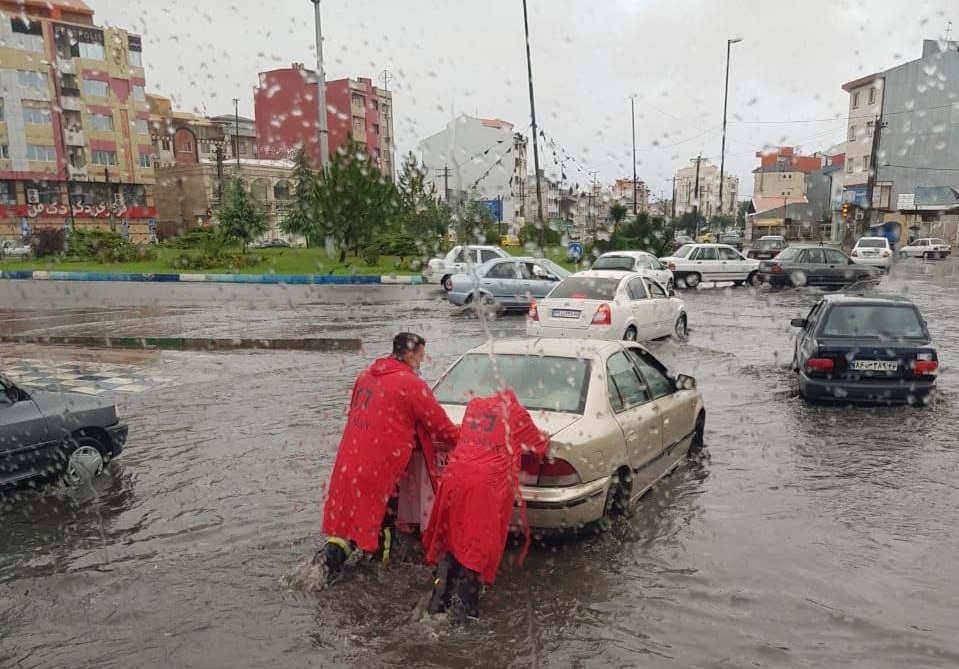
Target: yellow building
[[75, 144]]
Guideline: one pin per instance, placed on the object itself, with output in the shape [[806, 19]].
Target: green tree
[[355, 201], [617, 213], [476, 222], [423, 219], [303, 218], [241, 218], [741, 211], [646, 233]]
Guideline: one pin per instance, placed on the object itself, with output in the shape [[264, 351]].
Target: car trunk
[[880, 362], [572, 314]]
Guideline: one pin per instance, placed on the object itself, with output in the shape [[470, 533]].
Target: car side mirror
[[798, 322], [672, 293], [684, 382]]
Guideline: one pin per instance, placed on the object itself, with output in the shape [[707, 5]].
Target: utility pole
[[322, 123], [236, 132], [696, 197], [877, 127], [387, 77], [446, 183], [532, 113], [632, 105], [219, 173], [672, 208], [110, 202], [722, 157]]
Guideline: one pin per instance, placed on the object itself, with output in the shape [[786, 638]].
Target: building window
[[36, 115], [376, 129], [165, 143], [852, 133], [850, 165], [96, 88], [91, 51], [141, 126], [146, 160], [386, 109], [8, 192], [135, 58], [100, 121], [41, 153], [359, 128], [376, 105], [865, 162], [358, 100], [31, 79], [139, 93], [1, 109], [4, 152], [242, 148], [26, 36], [872, 96], [103, 158], [44, 192], [855, 100]]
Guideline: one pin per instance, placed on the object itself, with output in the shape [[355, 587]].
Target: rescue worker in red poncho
[[391, 409], [468, 528]]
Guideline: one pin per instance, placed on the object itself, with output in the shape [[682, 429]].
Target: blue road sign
[[575, 252]]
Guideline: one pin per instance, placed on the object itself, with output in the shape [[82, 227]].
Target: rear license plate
[[565, 313], [874, 365]]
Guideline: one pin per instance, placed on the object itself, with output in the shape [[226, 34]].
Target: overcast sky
[[589, 56]]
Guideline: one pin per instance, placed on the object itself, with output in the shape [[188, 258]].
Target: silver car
[[510, 284], [618, 421], [635, 261]]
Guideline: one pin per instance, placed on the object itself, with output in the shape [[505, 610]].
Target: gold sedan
[[618, 421]]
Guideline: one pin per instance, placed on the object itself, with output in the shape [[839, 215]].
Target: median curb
[[297, 279]]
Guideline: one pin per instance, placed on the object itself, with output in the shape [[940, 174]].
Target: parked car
[[706, 238], [927, 248], [865, 349], [681, 240], [618, 421], [766, 248], [45, 434], [635, 261], [807, 265], [608, 305], [509, 240], [457, 261], [12, 249], [732, 239], [872, 251], [693, 263], [506, 283]]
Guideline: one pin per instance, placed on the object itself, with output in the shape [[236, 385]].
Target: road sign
[[575, 252]]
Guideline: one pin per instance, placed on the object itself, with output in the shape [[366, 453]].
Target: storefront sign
[[79, 211]]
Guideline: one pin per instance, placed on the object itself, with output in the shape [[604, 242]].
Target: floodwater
[[811, 536]]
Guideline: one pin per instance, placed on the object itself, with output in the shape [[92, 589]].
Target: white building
[[478, 158], [708, 189]]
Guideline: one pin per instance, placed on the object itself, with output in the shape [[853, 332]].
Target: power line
[[917, 167], [851, 118]]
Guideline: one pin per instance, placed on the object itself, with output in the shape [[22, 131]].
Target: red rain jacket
[[389, 408], [474, 504]]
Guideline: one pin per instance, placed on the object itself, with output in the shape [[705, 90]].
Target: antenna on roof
[[949, 31]]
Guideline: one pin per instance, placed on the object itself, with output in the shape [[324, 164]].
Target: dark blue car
[[858, 349]]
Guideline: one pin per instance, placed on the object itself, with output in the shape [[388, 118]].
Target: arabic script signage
[[79, 211]]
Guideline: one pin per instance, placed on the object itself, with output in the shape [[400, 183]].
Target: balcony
[[71, 103], [74, 137], [77, 173], [66, 66]]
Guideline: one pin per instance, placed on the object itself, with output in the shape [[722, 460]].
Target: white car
[[458, 261], [692, 264], [635, 261], [927, 247], [608, 305], [872, 251], [13, 249]]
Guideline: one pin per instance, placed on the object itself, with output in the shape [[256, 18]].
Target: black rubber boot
[[442, 580], [333, 557], [465, 604]]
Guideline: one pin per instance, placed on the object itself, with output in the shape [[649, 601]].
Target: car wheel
[[681, 329], [698, 442], [737, 284], [903, 254], [84, 457], [618, 498], [670, 286], [630, 334], [447, 283], [753, 279], [692, 280], [926, 256]]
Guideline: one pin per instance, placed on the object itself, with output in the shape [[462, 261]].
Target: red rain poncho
[[478, 488], [390, 407]]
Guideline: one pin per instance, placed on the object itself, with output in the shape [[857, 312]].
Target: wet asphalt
[[810, 536]]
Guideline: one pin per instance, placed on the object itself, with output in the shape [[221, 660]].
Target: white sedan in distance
[[926, 247], [872, 251], [608, 305], [692, 264], [635, 261]]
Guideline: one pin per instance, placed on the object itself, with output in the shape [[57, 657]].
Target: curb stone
[[298, 279]]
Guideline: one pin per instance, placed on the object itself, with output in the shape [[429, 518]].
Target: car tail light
[[603, 315], [823, 365], [533, 313], [925, 367], [885, 254], [554, 472], [671, 267], [777, 269]]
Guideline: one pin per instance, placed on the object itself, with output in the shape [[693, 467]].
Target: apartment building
[[74, 121], [708, 201]]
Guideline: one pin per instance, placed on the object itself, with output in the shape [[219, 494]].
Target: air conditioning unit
[[33, 196]]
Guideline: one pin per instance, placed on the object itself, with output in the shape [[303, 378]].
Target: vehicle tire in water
[[681, 329], [692, 280], [926, 256], [903, 254], [617, 499], [83, 457], [699, 437], [630, 334], [447, 283], [753, 279]]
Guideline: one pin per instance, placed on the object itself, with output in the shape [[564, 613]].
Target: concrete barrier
[[294, 279]]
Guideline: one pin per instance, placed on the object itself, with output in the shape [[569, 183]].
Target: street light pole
[[532, 113], [322, 123], [722, 157], [632, 105], [236, 131]]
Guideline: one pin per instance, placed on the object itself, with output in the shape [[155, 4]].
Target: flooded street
[[811, 536]]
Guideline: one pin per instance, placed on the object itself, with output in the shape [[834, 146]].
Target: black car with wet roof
[[865, 349]]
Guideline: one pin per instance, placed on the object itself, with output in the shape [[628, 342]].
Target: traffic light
[[845, 210]]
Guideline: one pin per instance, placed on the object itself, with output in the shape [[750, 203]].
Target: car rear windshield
[[683, 251], [586, 288], [550, 383], [871, 243], [768, 244], [938, 241], [873, 320], [613, 262], [788, 253], [729, 239]]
